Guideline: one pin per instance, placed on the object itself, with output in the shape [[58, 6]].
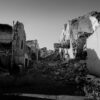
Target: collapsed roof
[[83, 25], [87, 23]]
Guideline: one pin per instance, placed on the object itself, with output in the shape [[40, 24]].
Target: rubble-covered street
[[47, 78], [51, 78]]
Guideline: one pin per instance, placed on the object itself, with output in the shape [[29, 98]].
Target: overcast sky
[[44, 19]]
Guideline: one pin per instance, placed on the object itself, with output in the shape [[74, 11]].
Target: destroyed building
[[83, 34], [19, 43], [28, 54], [44, 52], [12, 45], [5, 44], [33, 49]]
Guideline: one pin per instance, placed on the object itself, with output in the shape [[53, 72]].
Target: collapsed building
[[80, 40], [44, 53]]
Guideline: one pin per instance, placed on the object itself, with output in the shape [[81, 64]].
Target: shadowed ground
[[41, 80]]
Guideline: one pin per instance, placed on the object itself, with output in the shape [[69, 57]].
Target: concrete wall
[[93, 51]]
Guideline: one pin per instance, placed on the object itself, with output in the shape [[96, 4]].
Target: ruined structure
[[5, 44], [83, 34], [12, 45], [19, 44], [45, 53], [32, 49]]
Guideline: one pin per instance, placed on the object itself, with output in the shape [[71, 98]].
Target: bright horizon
[[44, 19]]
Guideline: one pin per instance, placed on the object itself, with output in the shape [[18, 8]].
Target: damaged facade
[[5, 44], [80, 40], [12, 45], [19, 44], [14, 49], [32, 49], [83, 34], [44, 52]]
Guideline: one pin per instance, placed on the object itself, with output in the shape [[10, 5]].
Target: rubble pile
[[72, 71], [49, 55], [53, 57], [92, 86], [44, 52]]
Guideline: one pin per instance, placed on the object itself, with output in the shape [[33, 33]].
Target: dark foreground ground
[[37, 85], [41, 78]]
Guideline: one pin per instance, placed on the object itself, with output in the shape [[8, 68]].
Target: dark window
[[22, 44]]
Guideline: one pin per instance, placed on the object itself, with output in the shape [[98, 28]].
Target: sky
[[44, 19]]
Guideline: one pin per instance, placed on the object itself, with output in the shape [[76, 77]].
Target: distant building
[[44, 52], [32, 47]]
